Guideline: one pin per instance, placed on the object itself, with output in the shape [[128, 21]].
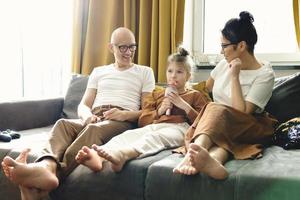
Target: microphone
[[169, 89]]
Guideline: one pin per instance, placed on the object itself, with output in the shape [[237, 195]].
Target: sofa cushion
[[74, 95], [274, 176], [284, 103], [28, 114], [83, 183]]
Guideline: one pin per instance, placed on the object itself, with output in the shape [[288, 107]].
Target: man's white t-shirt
[[256, 84], [121, 88]]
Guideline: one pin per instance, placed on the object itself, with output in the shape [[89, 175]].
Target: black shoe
[[4, 137], [13, 134]]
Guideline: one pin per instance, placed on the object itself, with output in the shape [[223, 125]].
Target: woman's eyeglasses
[[124, 48], [223, 45]]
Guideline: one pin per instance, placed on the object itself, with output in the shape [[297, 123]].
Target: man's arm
[[85, 106], [124, 115]]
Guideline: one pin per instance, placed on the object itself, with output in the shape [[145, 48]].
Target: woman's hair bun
[[182, 51], [244, 15]]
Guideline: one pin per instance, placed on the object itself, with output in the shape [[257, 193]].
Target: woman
[[234, 124]]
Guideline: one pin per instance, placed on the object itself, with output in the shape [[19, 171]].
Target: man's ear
[[111, 47]]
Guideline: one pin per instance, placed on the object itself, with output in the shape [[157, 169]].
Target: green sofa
[[275, 176]]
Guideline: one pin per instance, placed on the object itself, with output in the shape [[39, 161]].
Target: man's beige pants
[[68, 136]]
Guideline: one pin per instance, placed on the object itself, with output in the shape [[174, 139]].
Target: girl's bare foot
[[89, 158], [185, 167], [116, 158], [203, 162], [33, 175]]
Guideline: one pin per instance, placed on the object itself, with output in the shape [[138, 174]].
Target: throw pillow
[[74, 95], [201, 87], [284, 102]]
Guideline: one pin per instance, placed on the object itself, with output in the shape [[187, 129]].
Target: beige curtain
[[160, 32], [157, 24], [296, 5]]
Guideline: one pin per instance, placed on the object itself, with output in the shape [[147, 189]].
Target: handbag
[[287, 135]]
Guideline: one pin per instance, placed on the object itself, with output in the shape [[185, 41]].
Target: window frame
[[202, 58]]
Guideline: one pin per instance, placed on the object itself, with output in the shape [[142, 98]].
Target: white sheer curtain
[[276, 32], [193, 26], [35, 48], [193, 35]]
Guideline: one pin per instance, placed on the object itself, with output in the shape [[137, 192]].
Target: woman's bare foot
[[116, 158], [203, 162], [22, 158], [185, 167], [89, 158], [34, 175]]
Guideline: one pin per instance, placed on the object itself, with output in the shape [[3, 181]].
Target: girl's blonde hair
[[182, 56]]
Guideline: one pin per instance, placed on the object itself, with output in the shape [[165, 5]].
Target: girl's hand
[[179, 102], [165, 105], [235, 67]]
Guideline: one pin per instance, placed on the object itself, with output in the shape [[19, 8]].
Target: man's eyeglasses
[[223, 45], [124, 48]]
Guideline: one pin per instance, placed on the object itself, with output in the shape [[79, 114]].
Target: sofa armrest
[[27, 114]]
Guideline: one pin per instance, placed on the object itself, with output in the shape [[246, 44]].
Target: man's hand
[[92, 119], [115, 114]]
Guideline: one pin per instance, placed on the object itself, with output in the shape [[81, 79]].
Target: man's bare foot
[[34, 175], [32, 193], [22, 158], [185, 167], [116, 158], [89, 158], [203, 162]]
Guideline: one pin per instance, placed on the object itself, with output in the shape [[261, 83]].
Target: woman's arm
[[209, 84], [238, 101]]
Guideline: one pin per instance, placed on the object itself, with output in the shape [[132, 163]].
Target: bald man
[[110, 106]]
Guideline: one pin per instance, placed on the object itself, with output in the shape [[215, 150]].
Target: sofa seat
[[275, 176], [129, 184], [35, 139]]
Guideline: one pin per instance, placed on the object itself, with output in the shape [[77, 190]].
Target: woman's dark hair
[[182, 56], [241, 29]]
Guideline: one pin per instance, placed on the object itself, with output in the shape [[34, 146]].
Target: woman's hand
[[235, 67]]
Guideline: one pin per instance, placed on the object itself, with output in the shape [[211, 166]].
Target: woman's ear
[[242, 46]]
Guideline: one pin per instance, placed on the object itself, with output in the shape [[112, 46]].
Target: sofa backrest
[[284, 103], [74, 95], [285, 100]]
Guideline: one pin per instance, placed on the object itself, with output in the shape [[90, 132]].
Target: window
[[35, 50], [275, 27]]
